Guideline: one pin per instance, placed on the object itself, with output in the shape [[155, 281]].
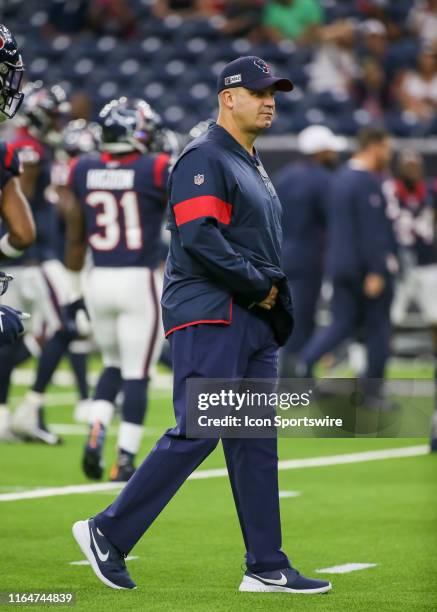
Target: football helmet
[[128, 125], [200, 128], [80, 136], [166, 141], [5, 279], [45, 110], [11, 74]]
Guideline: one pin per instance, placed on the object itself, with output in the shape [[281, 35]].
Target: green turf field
[[381, 512]]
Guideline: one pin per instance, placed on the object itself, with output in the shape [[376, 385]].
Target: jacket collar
[[217, 132]]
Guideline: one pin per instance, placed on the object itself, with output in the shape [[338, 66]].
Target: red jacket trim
[[202, 206]]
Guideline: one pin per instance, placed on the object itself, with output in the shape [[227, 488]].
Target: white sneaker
[[6, 434], [82, 411], [28, 422]]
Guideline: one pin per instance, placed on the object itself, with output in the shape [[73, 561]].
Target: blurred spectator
[[243, 19], [422, 20], [370, 90], [184, 8], [417, 89], [67, 16], [115, 17], [374, 42], [295, 19], [391, 14], [335, 65]]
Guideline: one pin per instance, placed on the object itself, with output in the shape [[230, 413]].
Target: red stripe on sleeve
[[161, 162], [9, 154], [202, 206]]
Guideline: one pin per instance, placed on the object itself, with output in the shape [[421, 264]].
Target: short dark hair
[[370, 135]]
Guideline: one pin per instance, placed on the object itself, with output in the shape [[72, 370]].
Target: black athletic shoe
[[92, 461], [123, 469], [286, 580], [106, 560]]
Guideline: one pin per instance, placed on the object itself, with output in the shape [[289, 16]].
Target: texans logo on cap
[[262, 65]]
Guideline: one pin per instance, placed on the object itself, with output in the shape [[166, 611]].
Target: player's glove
[[11, 326], [76, 319]]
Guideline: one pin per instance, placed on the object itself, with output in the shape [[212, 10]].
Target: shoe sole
[[91, 465], [81, 533], [250, 585], [38, 435]]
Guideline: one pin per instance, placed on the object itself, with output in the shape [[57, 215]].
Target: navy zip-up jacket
[[303, 188], [225, 223], [360, 235]]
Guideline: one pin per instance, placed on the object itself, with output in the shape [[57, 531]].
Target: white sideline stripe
[[346, 568], [69, 429], [290, 493], [85, 562], [64, 378], [292, 464]]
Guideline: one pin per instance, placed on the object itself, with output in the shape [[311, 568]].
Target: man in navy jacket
[[361, 257], [226, 308], [303, 188]]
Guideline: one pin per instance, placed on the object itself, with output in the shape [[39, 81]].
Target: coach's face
[[253, 111]]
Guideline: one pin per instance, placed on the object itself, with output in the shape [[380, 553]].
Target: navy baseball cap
[[251, 72]]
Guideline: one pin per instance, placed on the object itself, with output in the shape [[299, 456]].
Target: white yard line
[[64, 378], [291, 464], [346, 568], [76, 429]]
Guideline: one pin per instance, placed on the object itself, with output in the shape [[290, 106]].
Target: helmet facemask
[[11, 96]]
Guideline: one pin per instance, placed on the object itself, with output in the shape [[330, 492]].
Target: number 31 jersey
[[124, 200]]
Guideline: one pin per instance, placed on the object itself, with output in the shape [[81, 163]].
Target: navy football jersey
[[413, 213], [124, 202], [9, 163], [30, 150]]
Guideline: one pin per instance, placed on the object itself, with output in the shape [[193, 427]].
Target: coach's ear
[[227, 98]]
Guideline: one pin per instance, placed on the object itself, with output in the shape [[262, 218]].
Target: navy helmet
[[80, 136], [128, 125], [5, 279], [11, 74], [45, 111]]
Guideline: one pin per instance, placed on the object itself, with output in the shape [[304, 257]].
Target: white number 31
[[115, 214]]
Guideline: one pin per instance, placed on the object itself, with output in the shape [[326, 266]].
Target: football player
[[119, 200], [412, 205], [41, 284], [10, 319], [18, 225], [77, 137]]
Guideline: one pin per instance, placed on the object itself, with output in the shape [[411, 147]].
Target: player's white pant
[[126, 317], [419, 286], [40, 290]]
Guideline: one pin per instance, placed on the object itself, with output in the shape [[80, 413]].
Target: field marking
[[346, 568], [79, 429], [291, 464], [64, 378], [85, 562], [284, 494]]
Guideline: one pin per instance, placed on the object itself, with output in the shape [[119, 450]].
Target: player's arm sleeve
[[76, 242], [10, 166], [374, 232], [17, 215], [201, 208]]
